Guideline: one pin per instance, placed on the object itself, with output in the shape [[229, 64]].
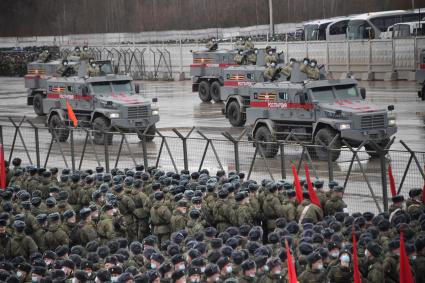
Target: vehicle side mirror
[[116, 70], [302, 98], [362, 92], [390, 107], [85, 91], [137, 88], [155, 100]]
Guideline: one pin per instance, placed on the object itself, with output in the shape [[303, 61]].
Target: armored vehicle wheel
[[100, 125], [235, 115], [38, 104], [58, 128], [262, 134], [204, 91], [371, 150], [325, 136], [150, 134], [215, 91]]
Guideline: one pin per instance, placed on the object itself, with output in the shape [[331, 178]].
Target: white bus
[[371, 25], [318, 30], [337, 30], [407, 29]]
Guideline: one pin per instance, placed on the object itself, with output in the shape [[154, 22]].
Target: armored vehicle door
[[85, 97], [303, 109]]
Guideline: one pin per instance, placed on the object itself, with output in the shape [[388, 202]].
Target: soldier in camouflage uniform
[[315, 273], [93, 70], [160, 217], [239, 58], [126, 207], [221, 211], [271, 73], [289, 206], [105, 228], [335, 203], [21, 244], [142, 208], [371, 265], [212, 44], [179, 219], [308, 210], [272, 207]]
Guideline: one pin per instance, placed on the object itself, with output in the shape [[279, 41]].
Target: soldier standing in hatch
[[271, 73], [212, 44], [239, 58], [85, 54], [93, 69], [44, 57]]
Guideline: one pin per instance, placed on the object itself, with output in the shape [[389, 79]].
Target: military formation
[[147, 225], [14, 62]]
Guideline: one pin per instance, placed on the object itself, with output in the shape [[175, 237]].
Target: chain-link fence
[[365, 179]]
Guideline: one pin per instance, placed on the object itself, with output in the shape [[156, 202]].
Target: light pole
[[271, 29]]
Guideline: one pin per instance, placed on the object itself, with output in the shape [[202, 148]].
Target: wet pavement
[[182, 109]]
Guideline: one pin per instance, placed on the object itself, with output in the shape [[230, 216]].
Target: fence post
[[383, 164], [37, 143], [106, 147], [184, 140], [282, 160], [71, 136], [1, 135]]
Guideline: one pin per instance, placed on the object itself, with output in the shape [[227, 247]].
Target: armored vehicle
[[209, 70], [103, 102], [420, 75], [316, 111]]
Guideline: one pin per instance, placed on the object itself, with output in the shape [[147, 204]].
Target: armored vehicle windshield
[[109, 87], [335, 93]]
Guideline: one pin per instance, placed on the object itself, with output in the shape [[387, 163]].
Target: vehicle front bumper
[[369, 134], [130, 124]]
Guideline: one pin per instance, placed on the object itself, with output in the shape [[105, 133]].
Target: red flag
[[313, 196], [71, 114], [298, 189], [392, 182], [2, 169], [423, 191], [292, 275], [357, 278], [405, 271]]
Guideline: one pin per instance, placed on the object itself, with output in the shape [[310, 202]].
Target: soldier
[[74, 194], [397, 205], [93, 69], [212, 44], [126, 207], [414, 204], [310, 69], [249, 44], [70, 227], [272, 208], [45, 184], [240, 44], [7, 246], [32, 182], [45, 56], [39, 231], [194, 224], [55, 236], [271, 73], [160, 217], [321, 194], [239, 58], [22, 245], [142, 208], [179, 218], [315, 273], [243, 212], [308, 210], [289, 206], [371, 265], [65, 70], [105, 228], [419, 264], [249, 270], [209, 200], [221, 211], [76, 51], [342, 272], [85, 54], [270, 56], [335, 203], [87, 229], [252, 56]]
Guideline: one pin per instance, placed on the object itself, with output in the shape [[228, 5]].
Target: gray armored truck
[[420, 76], [103, 102], [315, 112], [210, 68]]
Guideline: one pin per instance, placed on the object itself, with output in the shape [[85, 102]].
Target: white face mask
[[229, 269], [202, 269], [270, 52], [34, 279], [320, 267], [181, 267], [252, 275], [366, 253], [114, 278], [74, 280], [19, 274], [266, 268], [153, 266], [273, 64], [345, 258], [334, 254]]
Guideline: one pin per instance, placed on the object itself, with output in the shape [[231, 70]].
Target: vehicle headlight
[[391, 121], [114, 115], [155, 112], [344, 126]]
